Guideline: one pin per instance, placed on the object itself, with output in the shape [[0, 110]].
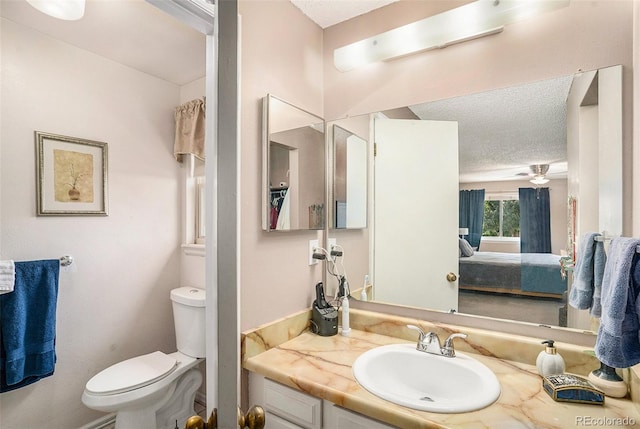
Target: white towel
[[7, 276], [284, 216]]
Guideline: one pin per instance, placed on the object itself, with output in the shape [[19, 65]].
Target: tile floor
[[201, 409]]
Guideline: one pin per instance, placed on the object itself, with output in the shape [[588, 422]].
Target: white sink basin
[[405, 376]]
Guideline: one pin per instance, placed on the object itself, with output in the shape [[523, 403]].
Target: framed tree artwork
[[71, 176]]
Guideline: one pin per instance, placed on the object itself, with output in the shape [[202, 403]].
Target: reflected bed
[[533, 274]]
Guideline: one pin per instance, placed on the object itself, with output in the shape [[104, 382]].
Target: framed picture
[[71, 176]]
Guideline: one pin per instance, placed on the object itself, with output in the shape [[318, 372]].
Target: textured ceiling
[[502, 132]]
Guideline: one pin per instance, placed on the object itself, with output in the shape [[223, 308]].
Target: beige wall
[[116, 304], [585, 35], [281, 55], [285, 54]]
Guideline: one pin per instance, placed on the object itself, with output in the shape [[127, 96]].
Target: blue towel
[[599, 262], [618, 341], [28, 317], [581, 295]]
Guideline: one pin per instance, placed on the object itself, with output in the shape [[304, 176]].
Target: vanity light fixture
[[69, 10], [471, 21]]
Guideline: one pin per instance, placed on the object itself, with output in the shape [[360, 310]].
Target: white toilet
[[156, 390]]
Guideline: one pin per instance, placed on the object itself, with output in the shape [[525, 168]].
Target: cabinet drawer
[[339, 418], [296, 407], [272, 421]]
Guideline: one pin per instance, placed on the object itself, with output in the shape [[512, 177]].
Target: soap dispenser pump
[[549, 361]]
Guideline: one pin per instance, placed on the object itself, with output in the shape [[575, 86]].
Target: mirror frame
[[267, 116]]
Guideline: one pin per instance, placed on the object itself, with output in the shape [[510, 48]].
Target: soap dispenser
[[549, 362]]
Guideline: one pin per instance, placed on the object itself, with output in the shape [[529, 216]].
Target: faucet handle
[[447, 349], [420, 331]]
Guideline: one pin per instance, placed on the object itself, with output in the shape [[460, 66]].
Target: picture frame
[[71, 176]]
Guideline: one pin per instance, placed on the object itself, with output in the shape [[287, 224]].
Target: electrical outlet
[[312, 245], [331, 242]]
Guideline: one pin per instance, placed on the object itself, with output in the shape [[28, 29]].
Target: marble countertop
[[321, 367]]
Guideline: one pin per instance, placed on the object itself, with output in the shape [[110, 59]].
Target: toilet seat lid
[[132, 374]]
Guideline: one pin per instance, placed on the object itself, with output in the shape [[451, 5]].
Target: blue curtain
[[471, 215], [535, 220]]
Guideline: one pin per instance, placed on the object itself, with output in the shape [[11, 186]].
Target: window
[[199, 212], [501, 217]]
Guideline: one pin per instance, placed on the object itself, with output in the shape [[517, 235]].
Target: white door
[[416, 180]]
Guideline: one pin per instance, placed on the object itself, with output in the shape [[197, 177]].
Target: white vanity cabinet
[[287, 408], [335, 417]]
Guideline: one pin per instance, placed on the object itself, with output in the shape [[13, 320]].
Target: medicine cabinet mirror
[[349, 150], [293, 167]]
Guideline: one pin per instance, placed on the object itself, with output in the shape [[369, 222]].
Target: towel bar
[[66, 260]]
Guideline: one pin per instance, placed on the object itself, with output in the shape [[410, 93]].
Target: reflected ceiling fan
[[538, 173]]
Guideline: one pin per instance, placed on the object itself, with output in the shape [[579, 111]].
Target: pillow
[[465, 247]]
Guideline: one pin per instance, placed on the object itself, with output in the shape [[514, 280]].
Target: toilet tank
[[189, 319]]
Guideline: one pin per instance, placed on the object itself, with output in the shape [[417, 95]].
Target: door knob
[[254, 419], [195, 422], [451, 277]]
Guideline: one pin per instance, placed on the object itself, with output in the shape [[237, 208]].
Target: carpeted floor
[[525, 309]]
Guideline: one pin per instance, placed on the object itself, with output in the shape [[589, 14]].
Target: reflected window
[[501, 218]]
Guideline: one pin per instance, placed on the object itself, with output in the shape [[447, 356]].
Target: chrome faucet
[[429, 342]]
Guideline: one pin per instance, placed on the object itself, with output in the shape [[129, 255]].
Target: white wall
[[117, 303]]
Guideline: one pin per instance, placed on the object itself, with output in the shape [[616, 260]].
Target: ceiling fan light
[[69, 10], [539, 180]]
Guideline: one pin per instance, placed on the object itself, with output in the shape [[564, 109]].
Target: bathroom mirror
[[293, 154], [349, 150], [490, 159]]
